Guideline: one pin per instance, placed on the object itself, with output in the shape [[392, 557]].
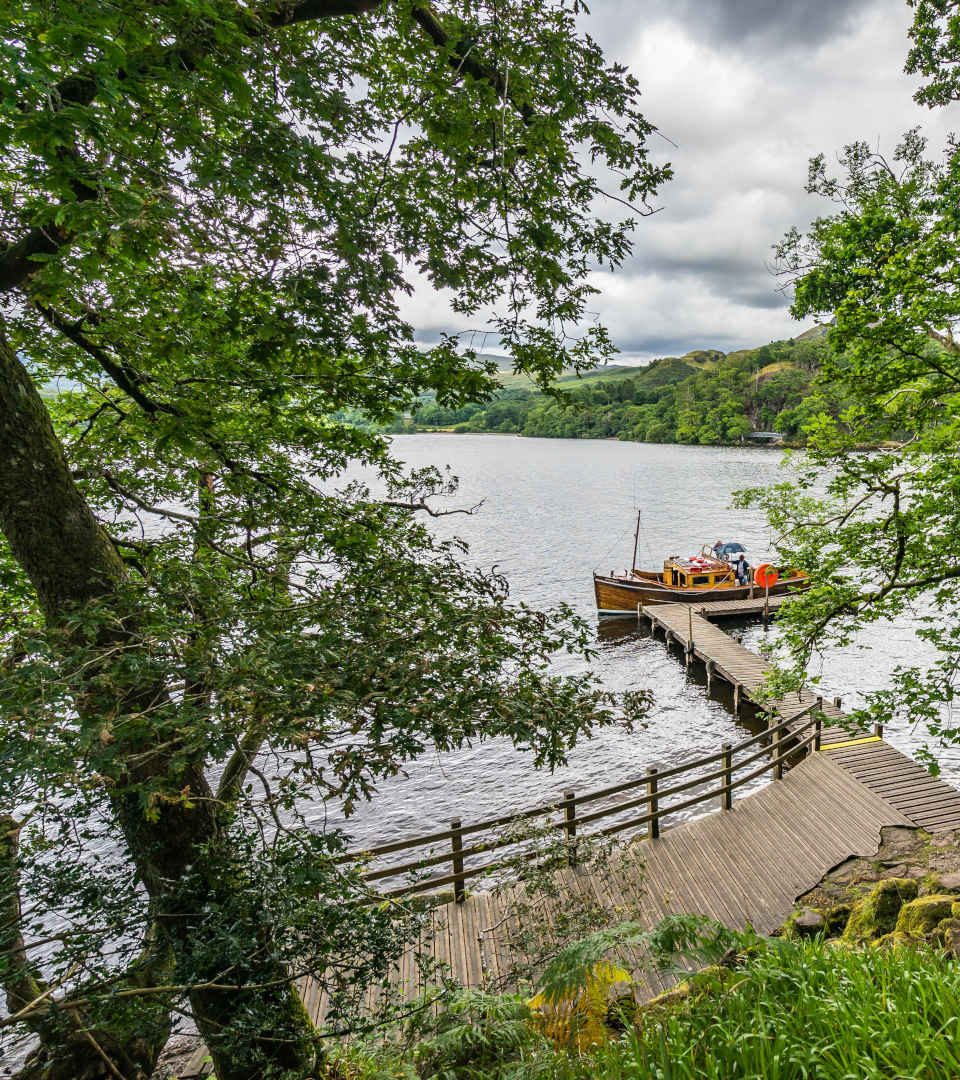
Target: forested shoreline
[[704, 397]]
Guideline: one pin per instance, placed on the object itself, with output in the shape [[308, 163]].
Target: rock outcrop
[[908, 893]]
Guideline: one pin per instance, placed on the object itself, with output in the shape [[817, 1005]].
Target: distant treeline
[[703, 397]]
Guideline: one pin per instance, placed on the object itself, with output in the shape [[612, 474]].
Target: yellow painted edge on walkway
[[851, 742]]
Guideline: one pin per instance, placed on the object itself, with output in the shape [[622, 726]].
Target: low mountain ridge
[[705, 396]]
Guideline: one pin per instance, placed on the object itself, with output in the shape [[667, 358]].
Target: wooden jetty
[[928, 801], [834, 789], [738, 609]]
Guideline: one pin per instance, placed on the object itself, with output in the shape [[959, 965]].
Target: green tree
[[737, 427], [886, 265], [209, 212], [689, 417]]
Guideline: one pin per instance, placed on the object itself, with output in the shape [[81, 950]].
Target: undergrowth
[[789, 1010]]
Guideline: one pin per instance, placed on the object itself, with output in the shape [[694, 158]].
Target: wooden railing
[[730, 768]]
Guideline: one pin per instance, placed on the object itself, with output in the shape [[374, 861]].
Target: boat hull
[[620, 596]]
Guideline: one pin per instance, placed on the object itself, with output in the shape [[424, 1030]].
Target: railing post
[[838, 701], [456, 845], [777, 749], [878, 730], [818, 724], [727, 776], [653, 806], [570, 826]]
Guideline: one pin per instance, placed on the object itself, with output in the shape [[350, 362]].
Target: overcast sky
[[748, 90]]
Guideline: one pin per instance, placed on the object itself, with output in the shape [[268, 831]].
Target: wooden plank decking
[[738, 608], [928, 801], [743, 866]]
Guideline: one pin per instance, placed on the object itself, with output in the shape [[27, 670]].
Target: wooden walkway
[[928, 801], [737, 608], [743, 866]]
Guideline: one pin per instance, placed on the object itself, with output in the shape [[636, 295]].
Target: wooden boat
[[700, 579]]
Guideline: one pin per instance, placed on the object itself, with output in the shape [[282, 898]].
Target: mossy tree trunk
[[71, 563], [74, 1043]]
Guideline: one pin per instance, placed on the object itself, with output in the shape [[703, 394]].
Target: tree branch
[[239, 764], [128, 380], [23, 984], [18, 260], [160, 511], [912, 583], [297, 11], [463, 60], [429, 509], [946, 340], [51, 530]]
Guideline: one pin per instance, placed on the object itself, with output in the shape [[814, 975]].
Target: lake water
[[553, 511]]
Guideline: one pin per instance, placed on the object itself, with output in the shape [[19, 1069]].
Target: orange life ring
[[766, 575]]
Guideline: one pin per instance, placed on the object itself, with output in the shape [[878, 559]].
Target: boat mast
[[636, 541]]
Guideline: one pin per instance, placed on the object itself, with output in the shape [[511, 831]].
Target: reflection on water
[[553, 511]]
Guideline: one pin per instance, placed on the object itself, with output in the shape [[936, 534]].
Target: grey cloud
[[786, 22], [659, 345], [644, 347], [748, 90], [742, 279], [722, 265], [765, 299], [781, 25]]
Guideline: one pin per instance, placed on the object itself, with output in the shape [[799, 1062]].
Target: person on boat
[[718, 550], [742, 570]]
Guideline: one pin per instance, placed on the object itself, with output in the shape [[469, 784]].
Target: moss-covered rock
[[920, 917], [836, 918], [805, 922], [705, 983], [876, 913], [931, 884], [948, 932], [861, 897], [895, 940]]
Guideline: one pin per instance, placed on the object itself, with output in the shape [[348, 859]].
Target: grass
[[808, 1010], [794, 1010], [568, 379], [772, 369]]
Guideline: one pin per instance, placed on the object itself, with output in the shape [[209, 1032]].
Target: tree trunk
[[75, 1043], [92, 1051], [257, 1027]]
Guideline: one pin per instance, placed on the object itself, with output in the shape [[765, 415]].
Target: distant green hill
[[706, 396]]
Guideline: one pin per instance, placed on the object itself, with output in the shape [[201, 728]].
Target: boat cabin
[[706, 578], [697, 572]]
